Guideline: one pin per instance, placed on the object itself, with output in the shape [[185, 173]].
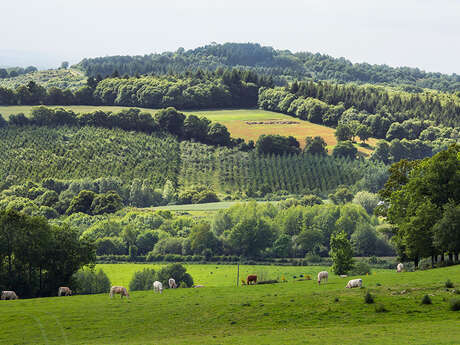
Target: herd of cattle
[[158, 286]]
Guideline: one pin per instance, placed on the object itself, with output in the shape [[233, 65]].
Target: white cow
[[119, 290], [354, 283], [9, 295], [172, 283], [64, 290], [157, 286], [323, 275], [399, 268]]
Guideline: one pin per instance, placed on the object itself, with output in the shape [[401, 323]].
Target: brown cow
[[120, 290], [251, 278], [9, 295], [64, 290]]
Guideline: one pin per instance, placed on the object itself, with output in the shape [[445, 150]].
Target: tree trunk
[[451, 258], [432, 261], [416, 263], [442, 258]]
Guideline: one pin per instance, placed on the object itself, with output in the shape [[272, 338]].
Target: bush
[[448, 284], [454, 304], [426, 300], [312, 258], [361, 268], [176, 271], [90, 282], [380, 308], [368, 298], [142, 280]]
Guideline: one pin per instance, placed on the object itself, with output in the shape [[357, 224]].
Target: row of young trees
[[282, 65], [251, 174]]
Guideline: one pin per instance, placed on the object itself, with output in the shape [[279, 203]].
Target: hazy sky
[[416, 33]]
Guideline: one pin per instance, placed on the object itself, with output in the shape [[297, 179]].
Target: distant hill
[[60, 78], [283, 65]]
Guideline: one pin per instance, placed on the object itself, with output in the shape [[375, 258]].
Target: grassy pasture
[[297, 312], [235, 120]]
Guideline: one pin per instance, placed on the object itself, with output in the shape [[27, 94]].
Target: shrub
[[90, 282], [454, 304], [142, 280], [361, 268], [380, 308], [426, 300], [312, 258], [368, 298], [448, 284], [176, 271]]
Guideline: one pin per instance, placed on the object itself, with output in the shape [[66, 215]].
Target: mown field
[[236, 122], [296, 312]]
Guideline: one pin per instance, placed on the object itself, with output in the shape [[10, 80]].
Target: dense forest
[[282, 65]]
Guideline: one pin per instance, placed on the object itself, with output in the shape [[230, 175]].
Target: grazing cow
[[172, 283], [354, 283], [157, 286], [399, 268], [251, 278], [64, 290], [6, 295], [343, 276], [323, 275], [198, 286], [119, 290]]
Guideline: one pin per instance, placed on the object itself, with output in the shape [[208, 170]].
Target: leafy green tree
[[341, 253], [170, 120], [343, 132], [367, 200], [363, 132], [282, 247], [176, 271], [310, 241], [146, 241], [446, 231], [106, 203], [345, 149], [250, 236], [276, 144], [311, 200], [202, 238], [418, 199], [218, 134], [82, 202], [381, 152], [342, 195], [142, 280], [316, 146]]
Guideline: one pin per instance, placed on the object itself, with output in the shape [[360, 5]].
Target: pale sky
[[415, 33]]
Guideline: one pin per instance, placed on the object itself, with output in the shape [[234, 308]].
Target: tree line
[[165, 121], [223, 88], [282, 65]]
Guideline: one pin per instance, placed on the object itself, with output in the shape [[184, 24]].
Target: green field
[[236, 122], [296, 312]]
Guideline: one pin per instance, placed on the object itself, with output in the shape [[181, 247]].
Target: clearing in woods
[[241, 123], [296, 312]]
